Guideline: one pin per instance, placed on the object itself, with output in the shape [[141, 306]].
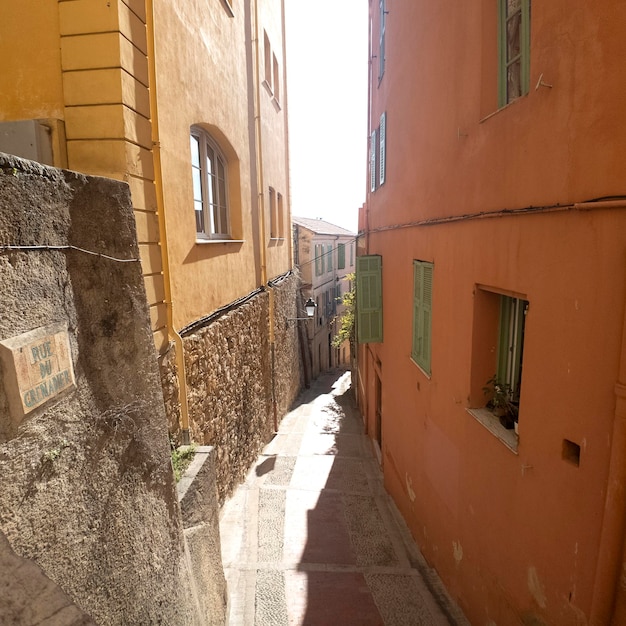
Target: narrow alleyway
[[312, 538]]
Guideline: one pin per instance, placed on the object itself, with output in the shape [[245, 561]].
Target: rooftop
[[321, 227]]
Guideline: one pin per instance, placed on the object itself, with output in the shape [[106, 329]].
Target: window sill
[[504, 107], [420, 368], [203, 241], [492, 424], [268, 87], [229, 8]]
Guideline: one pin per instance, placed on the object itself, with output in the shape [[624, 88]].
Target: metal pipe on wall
[[158, 182]]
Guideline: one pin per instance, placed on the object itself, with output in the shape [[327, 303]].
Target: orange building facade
[[491, 294]]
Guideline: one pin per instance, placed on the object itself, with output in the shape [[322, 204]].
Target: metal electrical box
[[29, 139]]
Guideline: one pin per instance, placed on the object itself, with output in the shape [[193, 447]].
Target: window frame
[[510, 350], [382, 149], [341, 256], [275, 78], [373, 160], [494, 334], [267, 61], [214, 197], [369, 299], [319, 259], [423, 274], [504, 62], [381, 40], [274, 223]]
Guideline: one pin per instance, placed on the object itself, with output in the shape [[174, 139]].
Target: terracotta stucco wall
[[515, 534]]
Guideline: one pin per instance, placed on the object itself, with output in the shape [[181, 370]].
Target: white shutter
[[382, 147], [373, 161]]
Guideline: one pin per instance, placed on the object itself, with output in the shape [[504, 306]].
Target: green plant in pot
[[500, 401]]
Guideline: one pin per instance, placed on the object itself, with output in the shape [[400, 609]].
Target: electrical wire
[[9, 248]]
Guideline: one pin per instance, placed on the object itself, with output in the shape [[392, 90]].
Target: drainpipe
[[259, 148], [258, 135], [158, 182], [286, 118], [608, 606]]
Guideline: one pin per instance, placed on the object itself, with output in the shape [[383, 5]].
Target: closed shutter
[[369, 296], [422, 313], [373, 161], [341, 256], [382, 148]]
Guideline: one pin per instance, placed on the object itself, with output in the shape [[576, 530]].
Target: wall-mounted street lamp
[[309, 307]]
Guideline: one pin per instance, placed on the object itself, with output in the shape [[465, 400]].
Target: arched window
[[210, 186]]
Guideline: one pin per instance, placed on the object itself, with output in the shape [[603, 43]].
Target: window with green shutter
[[422, 313], [373, 150], [329, 258], [513, 49], [319, 259], [341, 256], [511, 344], [369, 299]]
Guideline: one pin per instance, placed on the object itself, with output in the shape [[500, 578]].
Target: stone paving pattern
[[312, 538]]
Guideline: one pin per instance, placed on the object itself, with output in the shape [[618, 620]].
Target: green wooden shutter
[[422, 313], [369, 299], [510, 341], [341, 256]]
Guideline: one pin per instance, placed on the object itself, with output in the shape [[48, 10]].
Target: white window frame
[[210, 188]]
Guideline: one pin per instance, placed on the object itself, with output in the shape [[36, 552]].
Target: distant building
[[325, 255], [494, 244]]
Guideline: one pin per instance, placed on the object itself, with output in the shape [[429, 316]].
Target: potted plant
[[500, 402]]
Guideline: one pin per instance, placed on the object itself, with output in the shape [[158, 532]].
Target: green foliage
[[500, 401], [181, 459], [54, 453], [346, 331]]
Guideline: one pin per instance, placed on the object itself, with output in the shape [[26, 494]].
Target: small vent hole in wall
[[571, 452]]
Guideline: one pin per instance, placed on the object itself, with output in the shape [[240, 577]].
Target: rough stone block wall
[[228, 378], [288, 367], [87, 487], [233, 381]]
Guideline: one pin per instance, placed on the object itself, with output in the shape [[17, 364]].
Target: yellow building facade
[[119, 88], [187, 103]]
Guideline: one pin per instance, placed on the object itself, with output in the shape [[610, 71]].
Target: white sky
[[327, 98]]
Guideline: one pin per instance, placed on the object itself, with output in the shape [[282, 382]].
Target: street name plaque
[[37, 367]]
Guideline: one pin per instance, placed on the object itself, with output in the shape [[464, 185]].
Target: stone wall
[[239, 385], [88, 493]]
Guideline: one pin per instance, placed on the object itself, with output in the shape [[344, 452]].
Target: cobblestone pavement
[[312, 538]]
